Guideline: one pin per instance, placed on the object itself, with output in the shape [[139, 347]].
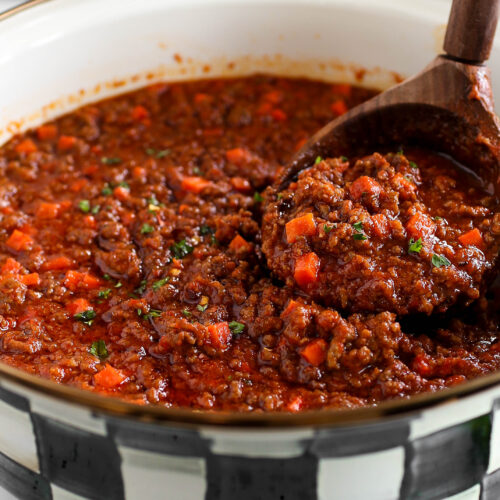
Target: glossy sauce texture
[[131, 262]]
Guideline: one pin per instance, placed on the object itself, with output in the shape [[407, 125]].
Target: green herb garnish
[[95, 210], [153, 313], [106, 190], [153, 201], [204, 230], [141, 288], [87, 317], [147, 229], [327, 228], [119, 284], [318, 160], [84, 206], [187, 313], [344, 158], [107, 277], [99, 349], [279, 196], [236, 328], [413, 165], [158, 284], [104, 294], [359, 234], [437, 218], [257, 197], [440, 261], [181, 249], [202, 308], [157, 153], [415, 246], [123, 184], [106, 160]]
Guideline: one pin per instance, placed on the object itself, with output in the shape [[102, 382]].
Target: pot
[[59, 442]]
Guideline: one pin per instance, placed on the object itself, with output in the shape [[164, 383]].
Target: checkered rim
[[53, 450]]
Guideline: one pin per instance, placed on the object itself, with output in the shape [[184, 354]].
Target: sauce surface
[[131, 261]]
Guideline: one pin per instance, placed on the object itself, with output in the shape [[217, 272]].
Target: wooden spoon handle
[[471, 29]]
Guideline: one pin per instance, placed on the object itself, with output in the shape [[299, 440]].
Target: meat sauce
[[131, 258]]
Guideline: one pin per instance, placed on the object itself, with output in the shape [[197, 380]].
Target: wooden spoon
[[448, 107]]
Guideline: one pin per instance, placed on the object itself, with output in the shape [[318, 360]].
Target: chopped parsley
[[440, 261], [204, 230], [87, 317], [327, 228], [119, 284], [104, 294], [415, 246], [181, 249], [153, 313], [413, 165], [197, 171], [279, 196], [107, 277], [318, 160], [141, 288], [147, 229], [236, 328], [106, 190], [187, 313], [84, 206], [106, 160], [157, 153], [202, 308], [153, 201], [123, 184], [257, 197], [158, 284], [344, 158], [95, 210], [359, 234], [437, 218], [99, 349]]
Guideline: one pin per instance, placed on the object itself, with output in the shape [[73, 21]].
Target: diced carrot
[[420, 226], [19, 241], [471, 238], [194, 184], [295, 404], [76, 279], [121, 193], [241, 184], [274, 96], [201, 98], [238, 156], [306, 269], [11, 266], [315, 352], [66, 142], [220, 335], [30, 279], [364, 185], [90, 222], [138, 173], [404, 186], [300, 226], [78, 185], [109, 377], [65, 205], [57, 263], [90, 169], [265, 108], [339, 107], [46, 132], [78, 306], [128, 218], [239, 243], [380, 225], [344, 89], [421, 364], [27, 146], [279, 115], [140, 113], [28, 229], [292, 304], [47, 210]]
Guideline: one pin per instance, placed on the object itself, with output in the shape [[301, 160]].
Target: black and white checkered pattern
[[54, 450]]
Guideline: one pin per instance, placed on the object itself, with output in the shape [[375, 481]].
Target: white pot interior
[[62, 53]]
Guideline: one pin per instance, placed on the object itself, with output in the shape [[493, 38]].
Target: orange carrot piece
[[76, 279], [279, 115], [292, 304], [380, 225], [344, 89], [274, 96], [201, 98], [472, 238], [315, 352], [194, 184], [90, 169], [220, 335], [241, 184], [90, 222], [121, 193], [306, 269], [138, 173], [339, 107], [420, 226], [78, 306], [30, 279], [405, 187], [47, 210], [57, 263], [78, 185], [109, 377], [364, 185], [46, 132], [295, 404], [19, 241], [140, 113], [27, 146], [238, 156], [11, 266], [300, 226], [238, 243], [66, 142]]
